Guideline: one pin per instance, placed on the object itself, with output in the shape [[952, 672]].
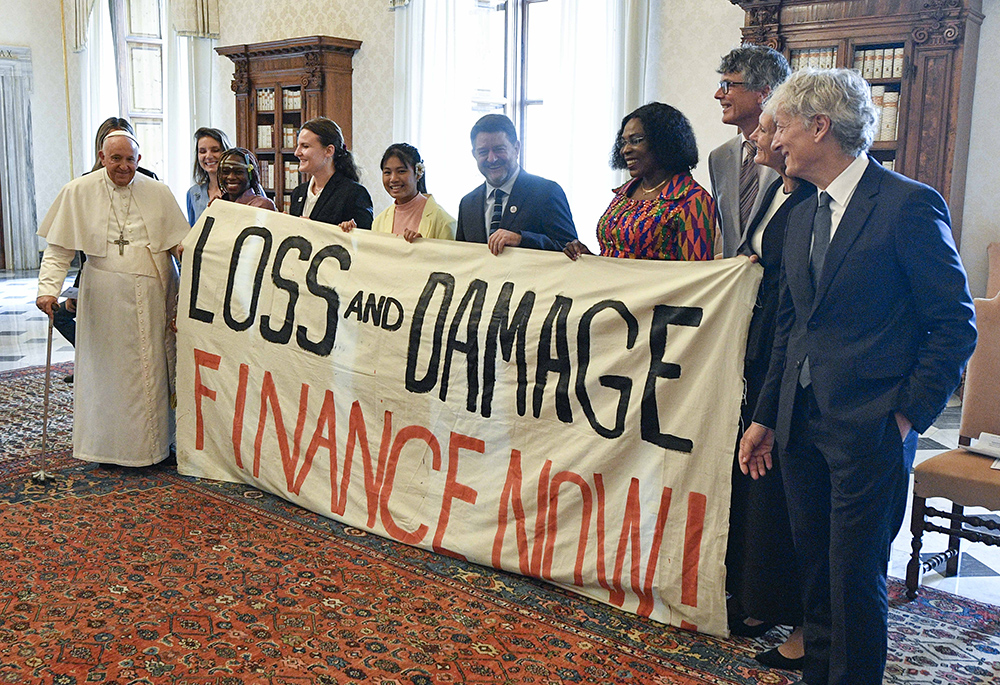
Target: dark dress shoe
[[738, 627], [772, 658]]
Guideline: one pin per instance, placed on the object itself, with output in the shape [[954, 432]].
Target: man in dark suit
[[875, 323], [513, 207]]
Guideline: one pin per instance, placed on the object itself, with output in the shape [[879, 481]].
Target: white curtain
[[82, 12], [434, 90], [99, 82], [597, 74], [198, 18]]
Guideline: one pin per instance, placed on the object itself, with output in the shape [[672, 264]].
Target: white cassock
[[125, 350]]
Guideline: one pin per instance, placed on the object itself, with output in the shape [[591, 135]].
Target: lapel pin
[[513, 209]]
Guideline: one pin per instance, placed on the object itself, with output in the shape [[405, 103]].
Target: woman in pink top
[[414, 214], [239, 179]]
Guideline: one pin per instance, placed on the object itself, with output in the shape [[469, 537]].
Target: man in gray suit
[[749, 74]]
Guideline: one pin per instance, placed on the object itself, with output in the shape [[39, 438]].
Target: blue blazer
[[537, 209], [890, 324]]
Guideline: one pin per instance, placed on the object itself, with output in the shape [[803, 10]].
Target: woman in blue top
[[209, 144]]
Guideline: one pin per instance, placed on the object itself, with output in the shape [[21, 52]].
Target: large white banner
[[572, 421]]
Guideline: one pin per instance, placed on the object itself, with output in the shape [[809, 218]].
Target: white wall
[[36, 25], [981, 219], [371, 22], [692, 36]]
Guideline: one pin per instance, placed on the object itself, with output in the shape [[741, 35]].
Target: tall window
[[552, 66], [517, 64], [134, 70]]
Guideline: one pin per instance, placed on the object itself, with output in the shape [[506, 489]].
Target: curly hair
[[329, 133], [200, 175], [761, 67], [840, 94], [253, 167], [670, 138], [409, 156]]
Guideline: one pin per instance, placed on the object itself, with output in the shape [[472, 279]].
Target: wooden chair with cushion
[[958, 475]]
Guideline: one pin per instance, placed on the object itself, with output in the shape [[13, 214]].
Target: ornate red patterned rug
[[115, 576]]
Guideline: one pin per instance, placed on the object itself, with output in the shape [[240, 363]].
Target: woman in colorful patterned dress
[[662, 212]]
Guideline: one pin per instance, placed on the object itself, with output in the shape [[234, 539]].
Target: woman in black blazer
[[761, 573], [333, 194]]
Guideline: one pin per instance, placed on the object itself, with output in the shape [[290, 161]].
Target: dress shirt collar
[[507, 186], [842, 188]]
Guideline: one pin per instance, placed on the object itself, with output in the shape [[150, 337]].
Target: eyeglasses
[[726, 85], [634, 141], [230, 168]]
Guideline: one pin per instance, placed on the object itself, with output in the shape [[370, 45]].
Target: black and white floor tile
[[23, 331]]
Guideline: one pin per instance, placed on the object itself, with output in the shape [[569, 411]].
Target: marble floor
[[23, 331]]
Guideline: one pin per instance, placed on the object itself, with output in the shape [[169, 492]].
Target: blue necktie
[[821, 241], [821, 235]]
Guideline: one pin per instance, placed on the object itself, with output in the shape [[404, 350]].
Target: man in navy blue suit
[[875, 324], [513, 207]]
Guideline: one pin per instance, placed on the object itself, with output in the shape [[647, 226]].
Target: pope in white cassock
[[128, 225]]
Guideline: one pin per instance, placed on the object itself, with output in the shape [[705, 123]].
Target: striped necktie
[[748, 184], [498, 196]]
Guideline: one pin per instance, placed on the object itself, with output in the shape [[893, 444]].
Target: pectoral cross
[[121, 242]]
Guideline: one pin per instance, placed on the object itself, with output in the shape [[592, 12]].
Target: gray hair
[[840, 94], [760, 66]]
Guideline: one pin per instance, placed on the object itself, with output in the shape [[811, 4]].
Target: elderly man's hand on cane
[[48, 304]]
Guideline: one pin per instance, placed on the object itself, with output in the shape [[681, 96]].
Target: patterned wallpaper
[[370, 21]]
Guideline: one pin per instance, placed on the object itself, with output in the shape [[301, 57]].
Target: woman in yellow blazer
[[414, 214]]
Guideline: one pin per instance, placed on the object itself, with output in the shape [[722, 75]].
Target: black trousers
[[846, 503], [65, 322]]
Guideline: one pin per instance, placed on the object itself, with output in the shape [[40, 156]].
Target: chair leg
[[951, 566], [917, 531]]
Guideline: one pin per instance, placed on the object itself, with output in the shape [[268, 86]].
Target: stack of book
[[287, 136], [291, 175], [291, 98], [266, 174], [820, 58], [265, 136], [887, 104], [265, 99], [875, 63]]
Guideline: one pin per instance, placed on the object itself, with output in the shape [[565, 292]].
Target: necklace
[[654, 188], [121, 242]]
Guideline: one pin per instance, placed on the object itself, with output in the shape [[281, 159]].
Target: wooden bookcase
[[280, 85], [935, 44]]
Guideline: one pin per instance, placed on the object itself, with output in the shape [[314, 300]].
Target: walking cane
[[41, 475]]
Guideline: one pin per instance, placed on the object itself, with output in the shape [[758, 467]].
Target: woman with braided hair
[[239, 179]]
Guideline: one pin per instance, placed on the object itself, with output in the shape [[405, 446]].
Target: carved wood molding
[[241, 74], [763, 22], [312, 79], [942, 24]]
